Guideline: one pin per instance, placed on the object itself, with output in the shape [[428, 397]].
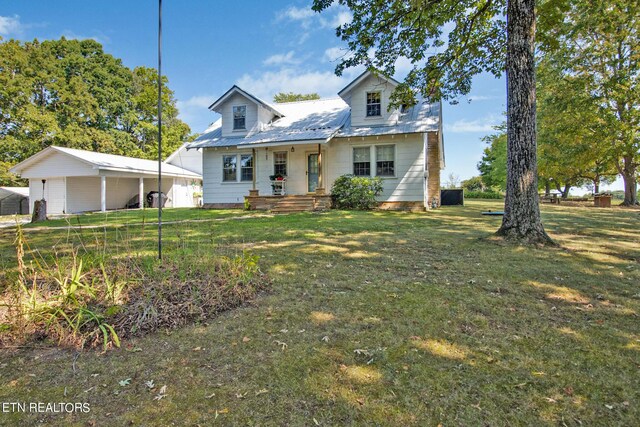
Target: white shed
[[73, 181]]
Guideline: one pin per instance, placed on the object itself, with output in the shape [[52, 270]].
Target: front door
[[312, 172]]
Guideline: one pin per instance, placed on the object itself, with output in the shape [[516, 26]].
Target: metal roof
[[320, 121], [109, 162], [22, 191]]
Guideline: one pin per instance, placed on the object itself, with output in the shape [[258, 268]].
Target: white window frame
[[233, 117], [395, 161], [373, 160], [253, 169], [366, 104], [225, 181], [238, 157], [286, 161]]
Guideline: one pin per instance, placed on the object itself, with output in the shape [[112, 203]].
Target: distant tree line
[[73, 94]]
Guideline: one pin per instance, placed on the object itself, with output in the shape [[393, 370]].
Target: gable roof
[[235, 89], [348, 88], [319, 121], [21, 191], [110, 162]]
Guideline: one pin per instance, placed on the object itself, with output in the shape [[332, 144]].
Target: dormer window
[[373, 104], [239, 117]]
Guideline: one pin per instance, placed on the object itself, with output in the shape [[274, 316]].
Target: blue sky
[[265, 47]]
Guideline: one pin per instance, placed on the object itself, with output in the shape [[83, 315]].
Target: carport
[[73, 181]]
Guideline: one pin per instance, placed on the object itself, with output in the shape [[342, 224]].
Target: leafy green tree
[[70, 93], [480, 40], [474, 184], [293, 97], [493, 166], [600, 44]]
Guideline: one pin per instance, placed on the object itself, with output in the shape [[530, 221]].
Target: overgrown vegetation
[[83, 298], [356, 192]]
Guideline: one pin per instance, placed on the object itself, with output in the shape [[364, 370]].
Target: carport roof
[[107, 162]]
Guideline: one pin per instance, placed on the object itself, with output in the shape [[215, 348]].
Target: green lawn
[[374, 318]]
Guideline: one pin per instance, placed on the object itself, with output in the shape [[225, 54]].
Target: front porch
[[289, 203]]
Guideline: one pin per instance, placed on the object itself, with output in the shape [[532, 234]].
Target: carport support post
[[141, 192], [103, 193]]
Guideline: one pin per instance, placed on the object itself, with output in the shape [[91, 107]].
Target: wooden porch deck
[[290, 203]]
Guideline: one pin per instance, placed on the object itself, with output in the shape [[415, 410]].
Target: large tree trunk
[[596, 185], [630, 183], [521, 221], [565, 192]]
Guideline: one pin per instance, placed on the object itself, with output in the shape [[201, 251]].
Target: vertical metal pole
[[160, 129]]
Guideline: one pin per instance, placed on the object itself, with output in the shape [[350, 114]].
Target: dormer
[[242, 113], [368, 96]]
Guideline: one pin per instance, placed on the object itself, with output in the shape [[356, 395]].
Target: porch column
[[103, 193], [320, 188], [254, 192], [255, 163], [141, 193]]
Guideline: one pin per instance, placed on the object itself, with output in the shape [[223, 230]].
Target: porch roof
[[319, 121]]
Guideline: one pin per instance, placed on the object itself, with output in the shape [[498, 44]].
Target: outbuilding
[[73, 181], [14, 200]]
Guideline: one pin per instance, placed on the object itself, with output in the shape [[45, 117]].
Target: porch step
[[294, 204]]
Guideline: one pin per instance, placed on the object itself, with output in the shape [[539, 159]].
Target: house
[[73, 181], [311, 143], [14, 200]]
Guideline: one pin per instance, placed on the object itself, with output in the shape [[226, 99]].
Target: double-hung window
[[385, 160], [239, 117], [374, 104], [362, 161], [246, 167], [280, 163], [229, 168]]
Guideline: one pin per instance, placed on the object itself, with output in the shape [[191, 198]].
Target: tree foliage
[[572, 146], [444, 63], [293, 97], [71, 93], [493, 166], [598, 44]]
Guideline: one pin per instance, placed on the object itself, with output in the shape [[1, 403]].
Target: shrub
[[356, 192], [483, 195]]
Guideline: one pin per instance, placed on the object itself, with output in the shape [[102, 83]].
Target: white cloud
[[332, 17], [70, 35], [10, 25], [481, 98], [296, 13], [333, 54], [340, 17], [265, 85], [282, 58], [195, 108], [403, 65], [483, 125]]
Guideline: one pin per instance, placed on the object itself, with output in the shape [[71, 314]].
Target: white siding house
[[73, 181], [312, 143]]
